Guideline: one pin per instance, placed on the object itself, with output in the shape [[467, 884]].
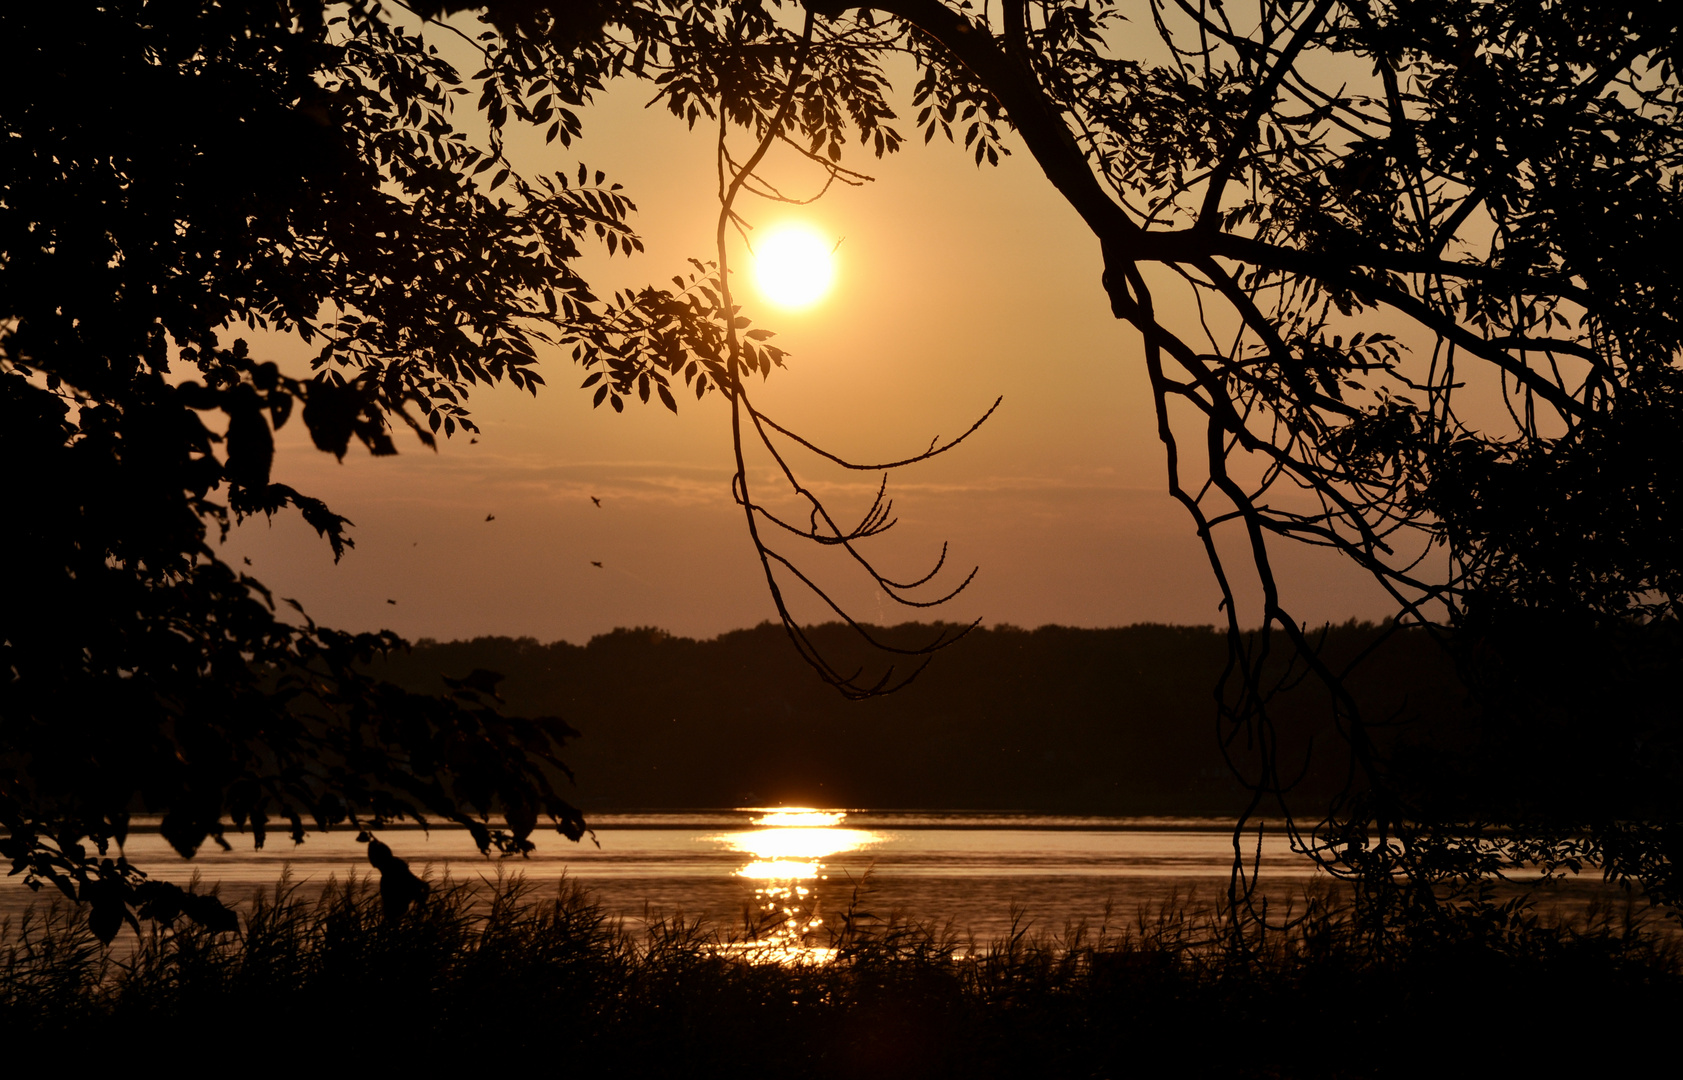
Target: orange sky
[[954, 286]]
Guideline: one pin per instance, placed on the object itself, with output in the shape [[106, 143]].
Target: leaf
[[106, 919], [184, 831], [251, 449], [330, 414]]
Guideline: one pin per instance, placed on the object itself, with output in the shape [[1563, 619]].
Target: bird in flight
[[391, 601], [596, 564], [490, 517], [597, 501]]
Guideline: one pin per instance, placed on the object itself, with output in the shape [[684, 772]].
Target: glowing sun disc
[[792, 266]]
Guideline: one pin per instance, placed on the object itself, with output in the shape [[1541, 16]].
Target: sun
[[793, 265]]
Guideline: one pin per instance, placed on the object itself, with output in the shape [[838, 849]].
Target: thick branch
[[1040, 124]]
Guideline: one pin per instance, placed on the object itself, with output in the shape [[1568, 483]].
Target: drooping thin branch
[[936, 448], [734, 179]]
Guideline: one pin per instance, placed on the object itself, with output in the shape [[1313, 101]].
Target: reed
[[493, 969]]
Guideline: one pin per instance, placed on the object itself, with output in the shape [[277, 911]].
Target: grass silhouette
[[478, 972]]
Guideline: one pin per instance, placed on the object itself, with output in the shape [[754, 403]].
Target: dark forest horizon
[[1055, 719]]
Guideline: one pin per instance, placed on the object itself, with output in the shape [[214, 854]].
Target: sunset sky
[[953, 286]]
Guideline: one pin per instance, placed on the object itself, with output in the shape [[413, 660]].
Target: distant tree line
[[1111, 721]]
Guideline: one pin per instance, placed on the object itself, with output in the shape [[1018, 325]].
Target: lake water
[[981, 875]]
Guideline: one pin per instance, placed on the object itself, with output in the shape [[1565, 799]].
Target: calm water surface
[[980, 874]]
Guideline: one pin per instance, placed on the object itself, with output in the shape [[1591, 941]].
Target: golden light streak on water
[[788, 849], [798, 816], [799, 842], [780, 869]]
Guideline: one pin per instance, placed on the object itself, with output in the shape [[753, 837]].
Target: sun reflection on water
[[788, 849], [779, 869], [799, 843], [800, 816]]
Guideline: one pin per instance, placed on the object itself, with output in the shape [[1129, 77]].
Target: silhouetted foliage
[[523, 977], [1364, 212], [1402, 277], [1368, 211], [167, 172]]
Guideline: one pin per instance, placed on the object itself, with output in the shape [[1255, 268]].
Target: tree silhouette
[[169, 172], [1400, 270], [1400, 273]]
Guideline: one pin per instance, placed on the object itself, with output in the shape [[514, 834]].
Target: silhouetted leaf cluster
[[168, 172]]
